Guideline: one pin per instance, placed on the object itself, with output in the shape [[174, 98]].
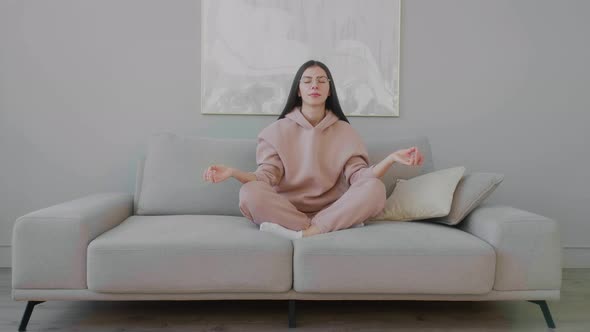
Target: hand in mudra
[[216, 173], [410, 157]]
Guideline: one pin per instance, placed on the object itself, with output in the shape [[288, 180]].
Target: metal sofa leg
[[28, 311], [291, 313], [546, 313]]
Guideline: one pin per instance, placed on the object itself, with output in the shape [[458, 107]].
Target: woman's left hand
[[410, 157]]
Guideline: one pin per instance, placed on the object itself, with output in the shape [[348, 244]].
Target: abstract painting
[[251, 50]]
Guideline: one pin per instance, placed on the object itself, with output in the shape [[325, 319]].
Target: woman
[[313, 175]]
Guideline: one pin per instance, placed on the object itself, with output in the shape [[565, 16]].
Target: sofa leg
[[291, 313], [546, 313], [27, 315]]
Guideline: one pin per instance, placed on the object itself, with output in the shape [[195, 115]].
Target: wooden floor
[[571, 314]]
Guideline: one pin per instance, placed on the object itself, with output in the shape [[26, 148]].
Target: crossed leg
[[260, 203], [364, 199]]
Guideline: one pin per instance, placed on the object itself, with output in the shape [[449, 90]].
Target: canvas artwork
[[251, 50]]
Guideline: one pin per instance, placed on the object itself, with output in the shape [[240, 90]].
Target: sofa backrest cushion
[[169, 178]]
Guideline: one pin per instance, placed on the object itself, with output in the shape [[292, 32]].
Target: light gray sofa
[[179, 238]]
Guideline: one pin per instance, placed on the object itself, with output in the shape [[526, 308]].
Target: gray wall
[[498, 86]]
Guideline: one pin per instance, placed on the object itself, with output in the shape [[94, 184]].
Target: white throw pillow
[[422, 197]]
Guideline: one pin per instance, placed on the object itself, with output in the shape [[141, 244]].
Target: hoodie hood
[[296, 116]]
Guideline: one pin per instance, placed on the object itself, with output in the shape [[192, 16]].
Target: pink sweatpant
[[365, 198]]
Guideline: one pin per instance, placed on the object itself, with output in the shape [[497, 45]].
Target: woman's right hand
[[217, 173]]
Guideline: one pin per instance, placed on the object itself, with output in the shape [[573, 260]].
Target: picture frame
[[251, 51]]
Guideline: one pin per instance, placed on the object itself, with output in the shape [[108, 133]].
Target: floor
[[571, 313]]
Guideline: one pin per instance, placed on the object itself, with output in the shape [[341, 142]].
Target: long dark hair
[[294, 100]]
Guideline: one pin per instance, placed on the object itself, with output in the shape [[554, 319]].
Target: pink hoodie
[[311, 166]]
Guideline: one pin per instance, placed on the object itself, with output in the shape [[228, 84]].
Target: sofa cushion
[[169, 179], [172, 183], [184, 253], [404, 258]]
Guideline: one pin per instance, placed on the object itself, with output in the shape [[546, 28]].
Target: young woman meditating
[[313, 174]]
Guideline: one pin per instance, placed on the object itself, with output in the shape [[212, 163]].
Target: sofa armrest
[[527, 245], [49, 245]]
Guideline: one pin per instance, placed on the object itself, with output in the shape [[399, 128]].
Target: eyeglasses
[[319, 79]]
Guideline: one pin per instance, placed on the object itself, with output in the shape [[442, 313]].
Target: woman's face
[[314, 86]]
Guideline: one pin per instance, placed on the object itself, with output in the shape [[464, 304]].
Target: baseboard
[[5, 255], [575, 257], [572, 257]]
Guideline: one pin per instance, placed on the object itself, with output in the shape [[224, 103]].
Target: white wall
[[498, 86]]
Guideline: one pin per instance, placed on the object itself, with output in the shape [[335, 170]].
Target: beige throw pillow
[[422, 197]]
